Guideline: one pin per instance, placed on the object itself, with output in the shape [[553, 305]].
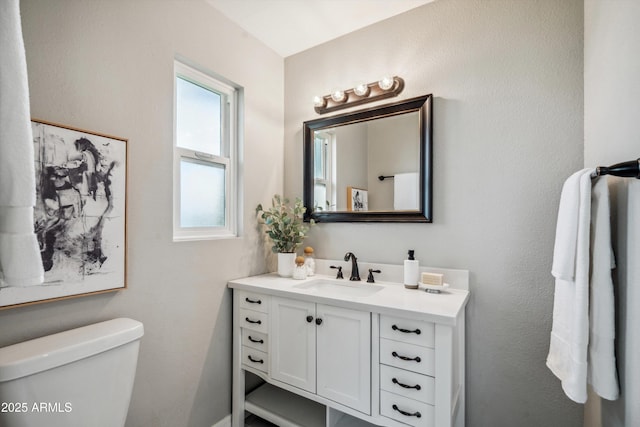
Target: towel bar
[[630, 169]]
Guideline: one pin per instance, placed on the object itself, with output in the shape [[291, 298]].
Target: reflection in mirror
[[372, 165], [355, 155]]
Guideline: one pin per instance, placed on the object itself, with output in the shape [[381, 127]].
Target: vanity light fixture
[[386, 87]]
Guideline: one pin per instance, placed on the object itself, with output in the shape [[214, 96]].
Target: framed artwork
[[357, 199], [80, 214]]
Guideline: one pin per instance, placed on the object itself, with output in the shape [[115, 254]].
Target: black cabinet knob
[[309, 319], [318, 321]]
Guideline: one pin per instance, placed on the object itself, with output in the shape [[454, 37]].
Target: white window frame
[[329, 178], [228, 155]]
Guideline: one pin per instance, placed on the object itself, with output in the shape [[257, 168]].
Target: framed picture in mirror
[[357, 199]]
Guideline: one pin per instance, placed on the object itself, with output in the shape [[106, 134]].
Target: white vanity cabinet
[[344, 356], [294, 343], [254, 326], [407, 370], [392, 358], [322, 349]]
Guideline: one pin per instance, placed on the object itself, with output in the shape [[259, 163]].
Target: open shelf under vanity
[[287, 409]]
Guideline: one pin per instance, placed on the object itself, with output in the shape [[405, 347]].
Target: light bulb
[[319, 101], [338, 95], [361, 90], [386, 83]]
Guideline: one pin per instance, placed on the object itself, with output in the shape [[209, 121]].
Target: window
[[205, 152], [324, 179]]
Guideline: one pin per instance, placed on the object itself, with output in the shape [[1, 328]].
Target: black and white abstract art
[[80, 214]]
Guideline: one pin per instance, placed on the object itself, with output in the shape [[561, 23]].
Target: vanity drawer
[[253, 301], [254, 320], [406, 330], [255, 358], [407, 356], [255, 339], [406, 410], [408, 384]]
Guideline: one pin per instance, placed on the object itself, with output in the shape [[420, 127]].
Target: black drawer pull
[[415, 359], [407, 414], [309, 319], [255, 360], [395, 381], [259, 322], [406, 331], [258, 341], [318, 321], [250, 301]]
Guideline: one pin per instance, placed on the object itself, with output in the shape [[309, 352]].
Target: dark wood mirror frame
[[421, 104]]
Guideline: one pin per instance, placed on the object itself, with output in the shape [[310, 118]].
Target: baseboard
[[225, 422]]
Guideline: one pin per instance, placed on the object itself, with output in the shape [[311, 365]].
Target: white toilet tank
[[78, 378]]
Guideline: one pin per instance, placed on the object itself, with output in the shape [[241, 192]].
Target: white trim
[[200, 78], [229, 155], [329, 178]]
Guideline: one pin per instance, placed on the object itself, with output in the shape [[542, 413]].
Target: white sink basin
[[341, 288]]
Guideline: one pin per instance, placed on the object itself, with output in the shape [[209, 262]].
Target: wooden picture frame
[[80, 214], [357, 199]]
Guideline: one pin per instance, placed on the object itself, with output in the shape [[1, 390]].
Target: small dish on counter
[[433, 289]]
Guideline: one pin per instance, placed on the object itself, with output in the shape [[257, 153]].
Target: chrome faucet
[[355, 274]]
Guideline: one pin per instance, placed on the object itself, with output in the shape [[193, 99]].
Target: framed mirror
[[373, 165]]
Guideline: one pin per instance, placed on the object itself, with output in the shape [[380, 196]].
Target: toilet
[[77, 378]]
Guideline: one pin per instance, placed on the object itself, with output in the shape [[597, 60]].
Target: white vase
[[286, 262]]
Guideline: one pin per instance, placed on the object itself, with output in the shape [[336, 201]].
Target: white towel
[[405, 191], [567, 357], [20, 262], [602, 362], [564, 251]]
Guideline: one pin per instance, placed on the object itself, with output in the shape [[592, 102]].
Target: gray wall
[[611, 111], [507, 77], [351, 141], [107, 66], [393, 148]]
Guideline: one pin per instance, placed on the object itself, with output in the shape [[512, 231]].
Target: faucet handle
[[370, 277], [339, 275]]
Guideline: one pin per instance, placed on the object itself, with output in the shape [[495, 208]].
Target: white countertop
[[393, 299]]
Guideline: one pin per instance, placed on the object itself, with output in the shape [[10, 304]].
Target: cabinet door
[[344, 356], [293, 343]]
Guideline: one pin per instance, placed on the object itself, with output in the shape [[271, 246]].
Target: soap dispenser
[[411, 271]]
